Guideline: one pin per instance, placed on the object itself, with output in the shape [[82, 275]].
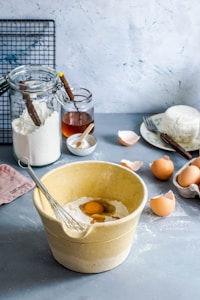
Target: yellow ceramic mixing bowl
[[105, 245]]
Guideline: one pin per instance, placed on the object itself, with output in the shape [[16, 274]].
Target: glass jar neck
[[81, 95], [33, 78]]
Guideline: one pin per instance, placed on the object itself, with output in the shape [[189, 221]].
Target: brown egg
[[163, 205], [162, 168], [127, 137], [132, 165], [189, 175], [196, 162]]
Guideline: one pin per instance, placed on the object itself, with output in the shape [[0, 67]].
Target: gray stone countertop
[[164, 262]]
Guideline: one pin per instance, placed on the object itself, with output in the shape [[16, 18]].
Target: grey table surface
[[164, 262]]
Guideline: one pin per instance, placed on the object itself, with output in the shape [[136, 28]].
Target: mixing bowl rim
[[136, 212]]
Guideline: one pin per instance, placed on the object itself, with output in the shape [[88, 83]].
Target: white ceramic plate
[[154, 139]]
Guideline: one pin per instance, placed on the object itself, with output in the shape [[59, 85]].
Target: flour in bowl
[[101, 210]]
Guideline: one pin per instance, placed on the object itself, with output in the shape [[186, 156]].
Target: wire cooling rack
[[23, 42]]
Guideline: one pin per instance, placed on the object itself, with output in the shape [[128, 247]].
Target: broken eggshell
[[132, 165], [127, 137], [163, 205]]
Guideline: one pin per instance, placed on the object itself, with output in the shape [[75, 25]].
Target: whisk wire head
[[60, 213]]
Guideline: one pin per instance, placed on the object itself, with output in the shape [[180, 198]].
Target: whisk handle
[[37, 181]]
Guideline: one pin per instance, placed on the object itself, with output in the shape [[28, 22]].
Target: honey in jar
[[75, 122], [77, 113]]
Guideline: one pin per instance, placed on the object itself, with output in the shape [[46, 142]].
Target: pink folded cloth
[[12, 184]]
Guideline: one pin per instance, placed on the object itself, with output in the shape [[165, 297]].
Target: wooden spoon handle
[[30, 108], [84, 134], [168, 140], [66, 86]]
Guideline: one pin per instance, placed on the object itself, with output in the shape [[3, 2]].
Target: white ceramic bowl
[[89, 144], [107, 244]]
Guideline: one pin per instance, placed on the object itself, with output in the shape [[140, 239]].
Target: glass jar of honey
[[78, 113]]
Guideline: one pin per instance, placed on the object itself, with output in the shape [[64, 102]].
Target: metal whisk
[[60, 213]]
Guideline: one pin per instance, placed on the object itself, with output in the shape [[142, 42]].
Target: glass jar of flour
[[35, 114]]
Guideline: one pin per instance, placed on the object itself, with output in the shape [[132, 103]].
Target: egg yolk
[[93, 207]]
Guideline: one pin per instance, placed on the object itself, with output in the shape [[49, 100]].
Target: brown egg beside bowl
[[187, 179], [196, 162], [162, 168], [189, 175]]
